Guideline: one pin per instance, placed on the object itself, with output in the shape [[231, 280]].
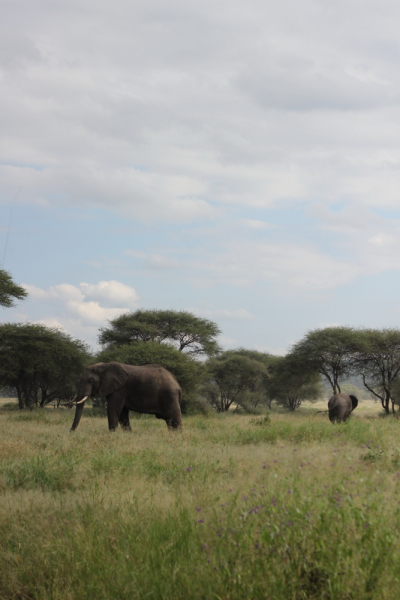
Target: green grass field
[[234, 507]]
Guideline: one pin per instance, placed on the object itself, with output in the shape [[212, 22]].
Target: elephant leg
[[174, 418], [115, 406], [112, 418], [124, 419]]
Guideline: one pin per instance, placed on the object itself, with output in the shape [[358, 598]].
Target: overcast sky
[[238, 159]]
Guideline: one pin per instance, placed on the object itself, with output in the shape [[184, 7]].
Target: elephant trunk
[[78, 413]]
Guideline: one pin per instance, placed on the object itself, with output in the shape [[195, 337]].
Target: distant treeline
[[43, 364]]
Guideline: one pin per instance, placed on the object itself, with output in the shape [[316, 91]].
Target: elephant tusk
[[81, 401]]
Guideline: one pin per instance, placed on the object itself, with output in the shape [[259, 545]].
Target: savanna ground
[[234, 507]]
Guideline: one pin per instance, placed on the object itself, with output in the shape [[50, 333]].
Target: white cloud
[[382, 239], [270, 350], [166, 113], [82, 311], [159, 262], [282, 266], [240, 314], [64, 292], [254, 224], [227, 342], [35, 292], [92, 312], [110, 291]]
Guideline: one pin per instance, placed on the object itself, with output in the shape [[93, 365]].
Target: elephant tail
[[354, 401], [180, 396]]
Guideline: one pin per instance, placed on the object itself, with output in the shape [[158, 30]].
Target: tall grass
[[294, 508]]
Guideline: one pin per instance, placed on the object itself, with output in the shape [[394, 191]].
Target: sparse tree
[[186, 332], [9, 290], [378, 362], [330, 352]]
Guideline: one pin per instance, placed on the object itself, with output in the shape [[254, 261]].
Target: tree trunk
[[20, 398], [385, 402]]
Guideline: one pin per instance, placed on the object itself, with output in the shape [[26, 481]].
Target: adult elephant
[[147, 389], [341, 406]]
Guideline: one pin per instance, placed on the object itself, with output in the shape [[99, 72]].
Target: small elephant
[[147, 389], [341, 406]]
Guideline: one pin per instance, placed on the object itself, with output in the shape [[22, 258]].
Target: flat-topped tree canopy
[[330, 351], [9, 290], [184, 330]]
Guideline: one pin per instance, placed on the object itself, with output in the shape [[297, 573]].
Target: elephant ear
[[113, 378], [354, 401]]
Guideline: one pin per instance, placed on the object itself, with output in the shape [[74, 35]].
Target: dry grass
[[201, 514]]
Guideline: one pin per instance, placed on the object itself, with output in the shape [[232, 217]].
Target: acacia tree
[[378, 362], [290, 383], [231, 377], [182, 329], [10, 290], [42, 363], [330, 352]]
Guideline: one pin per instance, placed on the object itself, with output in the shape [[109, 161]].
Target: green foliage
[[236, 376], [181, 329], [373, 455], [262, 421], [187, 371], [328, 351], [10, 290], [292, 381], [378, 361], [41, 363]]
